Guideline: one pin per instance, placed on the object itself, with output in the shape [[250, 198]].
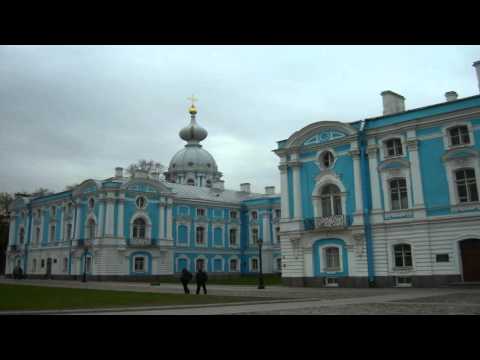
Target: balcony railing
[[140, 242], [325, 223]]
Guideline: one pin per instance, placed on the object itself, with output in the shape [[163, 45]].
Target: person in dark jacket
[[18, 272], [201, 279], [185, 279]]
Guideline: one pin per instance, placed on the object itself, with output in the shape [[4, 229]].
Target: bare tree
[[41, 192], [149, 166], [5, 200], [71, 187]]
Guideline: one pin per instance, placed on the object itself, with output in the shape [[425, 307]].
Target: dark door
[[49, 267], [471, 259]]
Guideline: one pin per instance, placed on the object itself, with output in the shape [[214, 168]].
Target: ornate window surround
[[218, 257], [383, 146], [235, 257], [446, 134], [391, 258], [388, 174], [205, 235], [205, 262], [187, 225], [237, 238], [327, 178], [222, 236], [91, 216], [181, 257], [319, 160], [250, 264], [454, 164], [148, 224], [323, 257]]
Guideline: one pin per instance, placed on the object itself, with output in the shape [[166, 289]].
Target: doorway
[[470, 250]]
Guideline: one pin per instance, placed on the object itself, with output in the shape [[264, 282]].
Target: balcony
[[140, 242], [333, 222]]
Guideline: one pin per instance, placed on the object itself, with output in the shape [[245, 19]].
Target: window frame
[[446, 134], [399, 193], [203, 243], [403, 255], [334, 201], [461, 140], [467, 183], [139, 257]]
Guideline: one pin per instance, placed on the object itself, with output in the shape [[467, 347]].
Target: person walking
[[201, 279], [185, 279], [18, 272]]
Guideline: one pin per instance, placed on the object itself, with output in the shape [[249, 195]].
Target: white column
[[77, 220], [109, 220], [121, 204], [161, 217], [62, 216], [100, 217], [266, 228], [169, 219], [355, 153], [418, 201], [297, 190], [284, 191], [374, 181], [11, 232]]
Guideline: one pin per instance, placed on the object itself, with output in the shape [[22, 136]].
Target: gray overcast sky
[[69, 113]]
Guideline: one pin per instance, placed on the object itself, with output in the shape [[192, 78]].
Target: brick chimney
[[245, 187], [392, 102]]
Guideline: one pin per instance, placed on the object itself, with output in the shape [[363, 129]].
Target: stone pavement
[[289, 300]]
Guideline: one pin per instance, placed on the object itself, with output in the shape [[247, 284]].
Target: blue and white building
[[142, 226], [388, 201]]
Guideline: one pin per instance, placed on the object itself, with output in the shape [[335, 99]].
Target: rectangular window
[[403, 255], [233, 236], [200, 235], [233, 265], [89, 265], [65, 265], [277, 231], [278, 213], [466, 185], [332, 256], [398, 194], [254, 265], [139, 264], [459, 136], [233, 214], [69, 231], [442, 258], [52, 233], [200, 212], [393, 147], [254, 236]]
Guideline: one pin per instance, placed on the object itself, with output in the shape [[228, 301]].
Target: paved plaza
[[280, 300]]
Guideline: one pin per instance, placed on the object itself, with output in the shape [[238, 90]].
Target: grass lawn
[[27, 297], [242, 280]]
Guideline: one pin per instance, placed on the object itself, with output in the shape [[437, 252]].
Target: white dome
[[193, 159]]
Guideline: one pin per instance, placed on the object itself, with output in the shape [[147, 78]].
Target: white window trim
[[319, 162], [275, 260], [323, 256], [446, 134], [251, 264], [145, 204], [94, 203], [50, 240], [218, 257], [94, 218], [383, 146], [238, 264], [237, 239], [145, 265], [322, 181], [252, 242], [451, 166], [205, 212], [205, 262], [205, 235], [390, 174], [251, 215], [183, 223], [399, 271], [148, 224]]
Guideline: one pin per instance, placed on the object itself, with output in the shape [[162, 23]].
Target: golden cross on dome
[[192, 99]]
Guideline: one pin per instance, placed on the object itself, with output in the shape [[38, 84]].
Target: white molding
[[382, 146], [455, 123]]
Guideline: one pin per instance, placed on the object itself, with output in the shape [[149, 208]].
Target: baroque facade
[[142, 226], [386, 201]]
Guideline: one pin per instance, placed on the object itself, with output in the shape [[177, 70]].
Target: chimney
[[269, 190], [245, 187], [451, 96], [118, 172], [476, 65], [392, 102], [218, 185]]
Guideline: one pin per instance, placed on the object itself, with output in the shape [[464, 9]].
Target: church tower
[[193, 165]]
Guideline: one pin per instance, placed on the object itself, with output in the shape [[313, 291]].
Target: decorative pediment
[[319, 133], [324, 136], [146, 186], [394, 164], [460, 154], [87, 187]]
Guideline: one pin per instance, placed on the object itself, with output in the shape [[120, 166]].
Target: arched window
[[217, 265], [139, 228], [22, 235], [233, 265], [398, 194], [200, 264], [254, 215], [393, 147], [191, 182], [331, 201], [217, 236], [466, 185], [91, 203], [183, 234], [91, 229], [459, 135], [332, 258], [209, 183], [403, 255], [37, 235], [254, 236], [200, 235]]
